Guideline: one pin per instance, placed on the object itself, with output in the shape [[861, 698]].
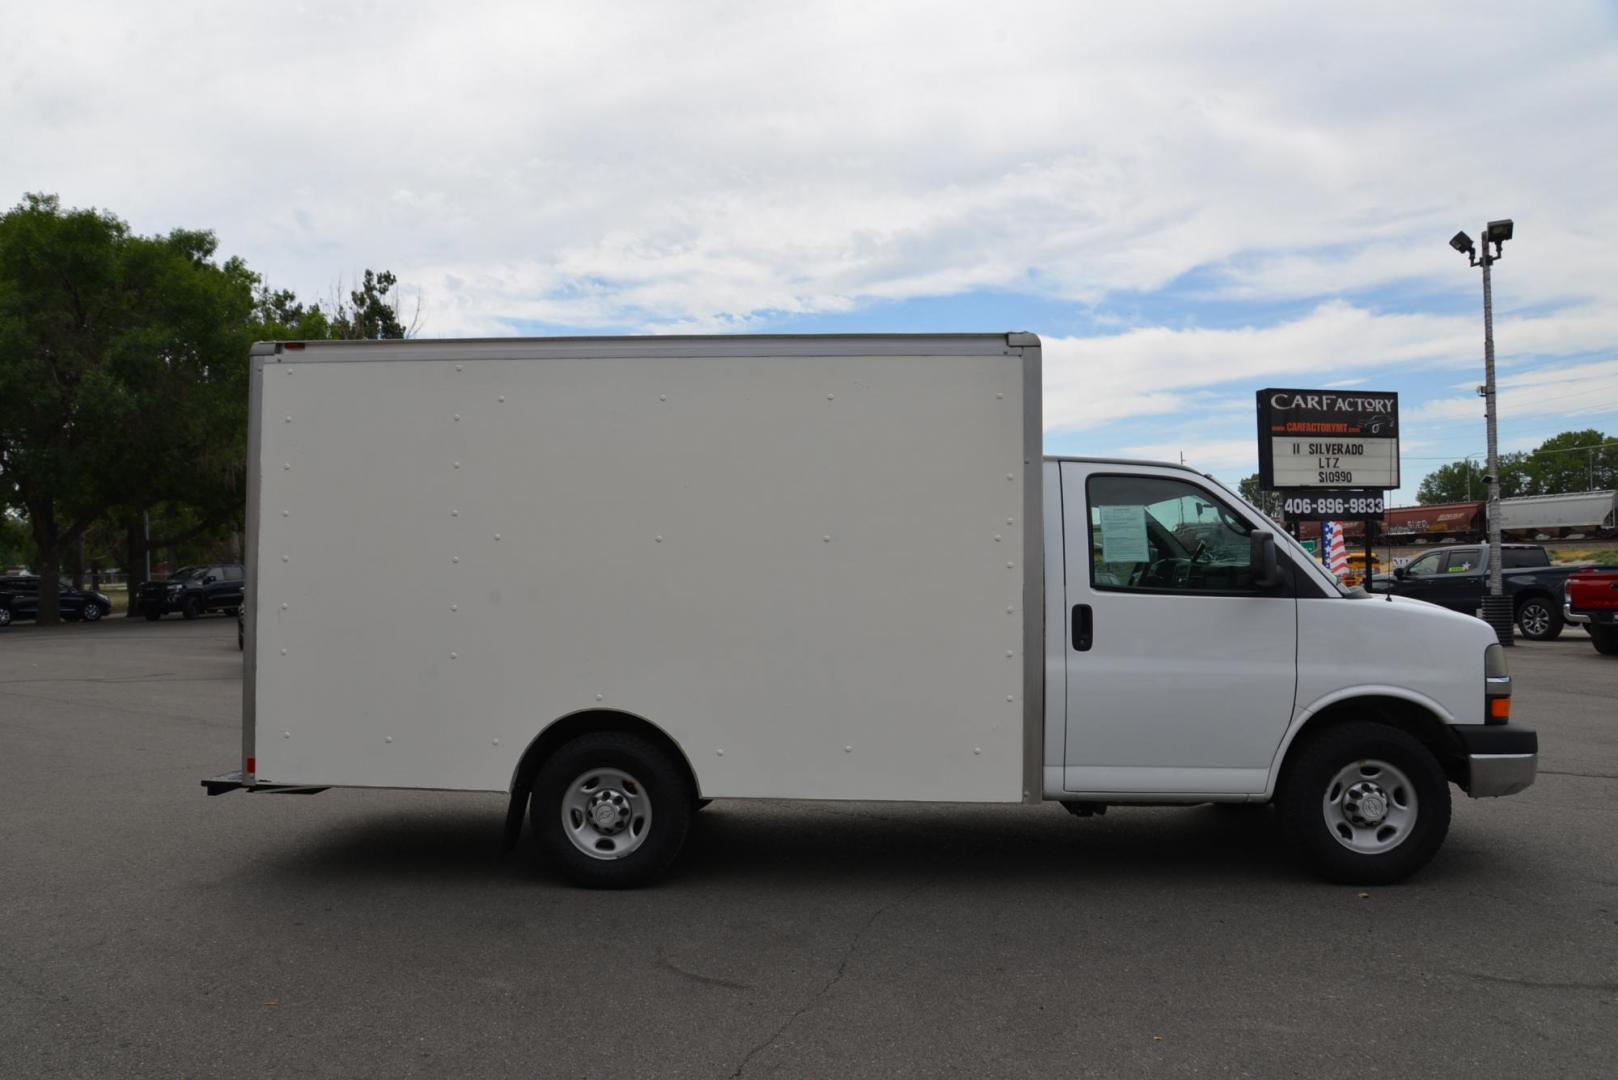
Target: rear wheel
[[1605, 639], [152, 614], [611, 810], [1364, 804], [5, 616], [92, 612], [1539, 619]]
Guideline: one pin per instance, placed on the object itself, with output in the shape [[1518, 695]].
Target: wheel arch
[[564, 728], [1416, 714], [1526, 595]]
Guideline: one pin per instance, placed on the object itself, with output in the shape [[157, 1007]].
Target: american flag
[[1336, 553]]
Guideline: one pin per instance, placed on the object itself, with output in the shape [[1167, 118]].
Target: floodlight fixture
[[1462, 243], [1498, 231]]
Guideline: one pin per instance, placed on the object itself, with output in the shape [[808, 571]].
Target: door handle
[[1083, 627]]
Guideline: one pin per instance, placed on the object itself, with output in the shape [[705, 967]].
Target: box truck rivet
[[1174, 648]]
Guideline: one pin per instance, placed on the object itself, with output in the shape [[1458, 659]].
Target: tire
[[152, 614], [1605, 639], [5, 616], [1364, 803], [1539, 619], [192, 608], [600, 773], [92, 612]]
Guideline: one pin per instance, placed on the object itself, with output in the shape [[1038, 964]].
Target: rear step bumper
[[218, 785]]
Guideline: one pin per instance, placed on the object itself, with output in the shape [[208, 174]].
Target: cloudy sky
[[1187, 202]]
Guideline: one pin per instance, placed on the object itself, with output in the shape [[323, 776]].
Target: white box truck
[[619, 577]]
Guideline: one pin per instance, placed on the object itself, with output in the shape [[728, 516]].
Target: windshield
[[185, 573]]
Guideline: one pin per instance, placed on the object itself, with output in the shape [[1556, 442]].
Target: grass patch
[[1605, 556], [119, 595]]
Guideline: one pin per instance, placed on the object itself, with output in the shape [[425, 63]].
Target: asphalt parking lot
[[149, 931]]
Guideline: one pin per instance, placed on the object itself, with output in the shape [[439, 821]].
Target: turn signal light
[[1499, 709]]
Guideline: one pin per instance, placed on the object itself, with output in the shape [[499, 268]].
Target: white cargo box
[[814, 563]]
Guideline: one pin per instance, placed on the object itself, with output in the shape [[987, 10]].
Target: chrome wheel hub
[[609, 811], [606, 813], [1370, 806], [1365, 805]]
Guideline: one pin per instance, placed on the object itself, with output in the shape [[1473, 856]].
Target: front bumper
[[159, 602], [1501, 759]]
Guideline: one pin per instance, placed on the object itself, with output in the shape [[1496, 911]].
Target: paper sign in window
[[1123, 534]]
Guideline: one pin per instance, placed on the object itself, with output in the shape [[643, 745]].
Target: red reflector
[[252, 765], [1500, 708], [292, 345]]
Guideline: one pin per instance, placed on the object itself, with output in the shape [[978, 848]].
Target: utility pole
[[1496, 605]]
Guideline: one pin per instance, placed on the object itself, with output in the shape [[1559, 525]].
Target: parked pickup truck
[[1457, 578], [193, 590], [1591, 597]]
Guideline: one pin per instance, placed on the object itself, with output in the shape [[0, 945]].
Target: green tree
[[1573, 461], [16, 545], [123, 364], [371, 311], [1464, 481], [1267, 501], [278, 315], [61, 306]]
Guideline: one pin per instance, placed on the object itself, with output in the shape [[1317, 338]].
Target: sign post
[[1333, 454]]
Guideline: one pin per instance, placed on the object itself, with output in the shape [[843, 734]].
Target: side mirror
[[209, 580], [1262, 559], [1400, 572]]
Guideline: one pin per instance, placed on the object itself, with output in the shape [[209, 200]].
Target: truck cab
[[1194, 652]]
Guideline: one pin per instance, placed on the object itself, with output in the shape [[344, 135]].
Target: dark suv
[[19, 599], [192, 590]]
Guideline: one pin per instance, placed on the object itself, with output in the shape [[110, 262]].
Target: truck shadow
[[808, 843], [751, 844], [943, 845]]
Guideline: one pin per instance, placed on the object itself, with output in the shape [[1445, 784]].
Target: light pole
[[1496, 605]]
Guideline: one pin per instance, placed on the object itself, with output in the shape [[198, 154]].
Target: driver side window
[[1427, 565], [1153, 534]]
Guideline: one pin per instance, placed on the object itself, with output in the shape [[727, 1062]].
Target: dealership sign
[[1310, 439]]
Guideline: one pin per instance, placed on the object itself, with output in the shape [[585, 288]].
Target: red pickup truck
[[1591, 596]]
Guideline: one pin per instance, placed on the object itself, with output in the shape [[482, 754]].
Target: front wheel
[[5, 616], [1539, 620], [1604, 638], [92, 612], [152, 614], [1364, 804], [611, 810], [192, 608]]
